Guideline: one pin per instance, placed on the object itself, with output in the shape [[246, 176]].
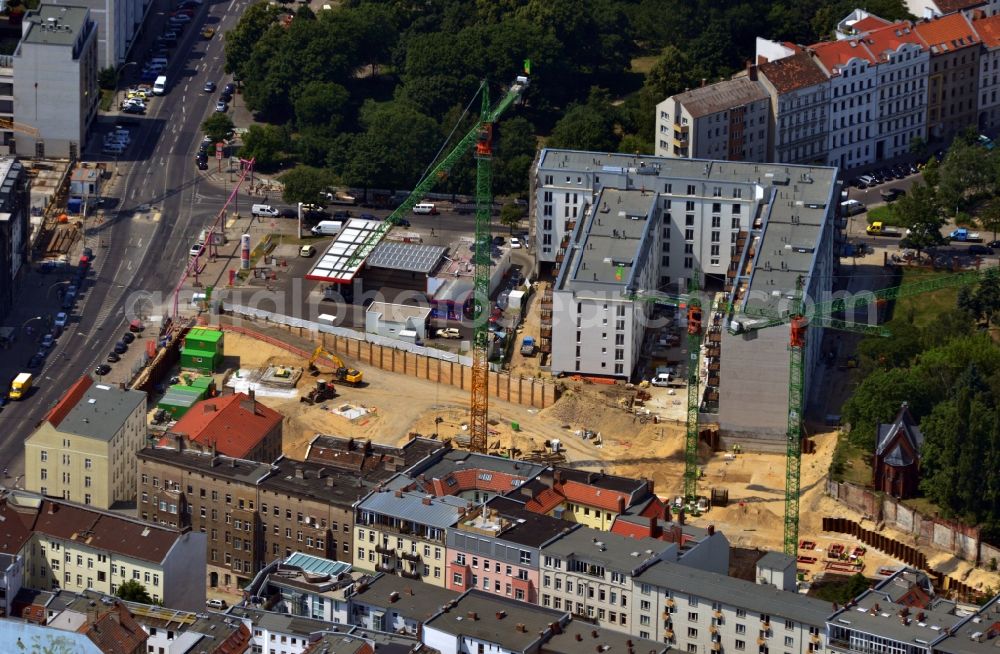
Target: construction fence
[[396, 356], [960, 540], [905, 553]]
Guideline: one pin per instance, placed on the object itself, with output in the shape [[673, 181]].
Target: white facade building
[[903, 61], [657, 222], [850, 133], [55, 82], [118, 26], [989, 72]]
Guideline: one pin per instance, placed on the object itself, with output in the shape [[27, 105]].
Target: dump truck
[[878, 228], [21, 385]]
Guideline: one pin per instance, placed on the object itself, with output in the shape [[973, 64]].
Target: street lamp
[[120, 71]]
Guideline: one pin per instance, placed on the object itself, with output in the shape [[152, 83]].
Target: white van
[[160, 85], [264, 210], [307, 251], [425, 208], [327, 228], [852, 208]]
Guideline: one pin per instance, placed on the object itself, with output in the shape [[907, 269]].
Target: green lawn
[[107, 99], [926, 307], [644, 64], [850, 463], [883, 214]]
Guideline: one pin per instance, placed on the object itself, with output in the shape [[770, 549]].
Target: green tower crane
[[822, 314]]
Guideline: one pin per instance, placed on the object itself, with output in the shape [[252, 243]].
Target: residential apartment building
[[308, 586], [693, 610], [119, 24], [55, 93], [903, 613], [953, 80], [594, 499], [84, 450], [496, 548], [589, 574], [729, 120], [73, 547], [614, 248], [935, 8], [902, 60], [387, 602], [234, 425], [479, 622], [470, 476], [15, 229], [11, 581], [851, 67], [254, 513], [751, 231], [800, 109], [988, 30], [403, 533]]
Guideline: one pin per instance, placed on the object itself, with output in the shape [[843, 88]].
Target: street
[[160, 204]]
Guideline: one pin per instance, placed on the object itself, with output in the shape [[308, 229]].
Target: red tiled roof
[[654, 508], [471, 479], [69, 400], [792, 73], [835, 54], [116, 632], [545, 501], [889, 39], [947, 33], [869, 23], [237, 642], [602, 498], [988, 30], [630, 529], [15, 529], [228, 423]]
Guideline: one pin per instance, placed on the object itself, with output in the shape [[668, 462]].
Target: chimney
[[179, 439], [711, 530], [473, 615], [501, 615], [426, 501], [253, 400], [52, 508], [299, 473], [593, 633], [579, 637], [208, 407], [393, 596], [621, 505], [121, 386], [680, 516], [521, 628], [329, 482], [704, 81], [751, 71]]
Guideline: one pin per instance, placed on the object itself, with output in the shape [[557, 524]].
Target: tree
[[133, 591], [264, 143], [511, 215], [320, 104], [218, 127], [670, 74], [965, 173], [240, 40], [304, 184], [397, 145], [919, 211], [989, 215], [107, 78], [588, 126]]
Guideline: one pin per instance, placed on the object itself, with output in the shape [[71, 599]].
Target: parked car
[[202, 164], [221, 107], [209, 87], [121, 348], [113, 357], [448, 332], [35, 362], [133, 109], [102, 370], [48, 341], [980, 250], [128, 337], [993, 245], [208, 33], [61, 319], [230, 88], [515, 243]]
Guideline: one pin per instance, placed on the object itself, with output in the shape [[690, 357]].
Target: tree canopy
[[133, 591], [318, 74]]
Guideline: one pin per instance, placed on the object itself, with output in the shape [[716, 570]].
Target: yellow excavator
[[344, 374]]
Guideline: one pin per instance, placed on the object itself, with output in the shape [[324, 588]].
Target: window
[[740, 644], [45, 457], [741, 628], [692, 616], [789, 641], [458, 579], [692, 632], [741, 613]]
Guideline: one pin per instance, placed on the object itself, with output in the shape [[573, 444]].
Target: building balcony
[[681, 128], [680, 143], [546, 331], [570, 225], [716, 647], [713, 629], [560, 256], [410, 556], [814, 638], [409, 574], [761, 641], [385, 549], [388, 569], [717, 614], [669, 634]]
